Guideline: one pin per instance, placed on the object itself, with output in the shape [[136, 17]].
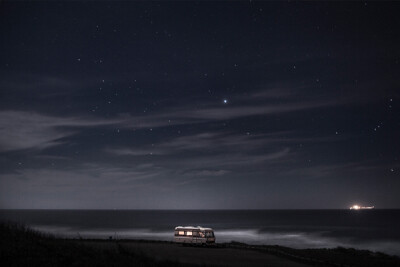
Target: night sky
[[199, 105]]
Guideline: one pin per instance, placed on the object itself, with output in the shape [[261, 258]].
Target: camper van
[[194, 235]]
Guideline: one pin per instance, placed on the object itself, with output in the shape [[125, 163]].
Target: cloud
[[135, 151], [203, 143], [215, 113], [87, 185], [24, 130], [209, 154], [234, 162], [207, 173], [256, 104], [84, 175]]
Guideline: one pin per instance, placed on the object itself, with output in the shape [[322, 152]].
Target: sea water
[[376, 230]]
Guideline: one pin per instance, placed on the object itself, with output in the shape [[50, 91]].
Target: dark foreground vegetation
[[328, 257], [22, 246]]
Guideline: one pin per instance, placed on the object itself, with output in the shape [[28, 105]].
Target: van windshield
[[209, 234]]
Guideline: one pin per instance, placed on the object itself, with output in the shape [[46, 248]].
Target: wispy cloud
[[84, 185], [135, 151], [207, 172], [85, 175], [24, 130], [212, 143], [234, 162], [210, 154], [190, 115]]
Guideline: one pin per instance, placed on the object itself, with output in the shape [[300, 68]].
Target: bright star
[[225, 101]]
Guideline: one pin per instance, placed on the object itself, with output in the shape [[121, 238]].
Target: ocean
[[376, 230]]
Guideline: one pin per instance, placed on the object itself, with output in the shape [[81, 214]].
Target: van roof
[[193, 228]]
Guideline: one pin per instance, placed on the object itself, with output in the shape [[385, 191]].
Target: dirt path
[[210, 256]]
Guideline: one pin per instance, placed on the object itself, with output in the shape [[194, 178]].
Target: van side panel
[[194, 236]]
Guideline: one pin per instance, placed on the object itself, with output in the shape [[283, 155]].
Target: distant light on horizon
[[358, 207]]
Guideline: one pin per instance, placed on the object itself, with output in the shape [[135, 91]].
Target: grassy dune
[[22, 246], [329, 257]]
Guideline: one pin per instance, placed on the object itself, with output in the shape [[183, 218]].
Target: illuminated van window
[[195, 235]]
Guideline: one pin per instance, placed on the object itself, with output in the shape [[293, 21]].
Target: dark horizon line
[[52, 209]]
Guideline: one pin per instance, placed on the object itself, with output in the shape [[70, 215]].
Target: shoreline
[[21, 246]]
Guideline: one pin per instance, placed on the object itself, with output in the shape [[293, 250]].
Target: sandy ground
[[216, 256]]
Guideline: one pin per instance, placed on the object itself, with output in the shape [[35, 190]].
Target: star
[[225, 101]]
